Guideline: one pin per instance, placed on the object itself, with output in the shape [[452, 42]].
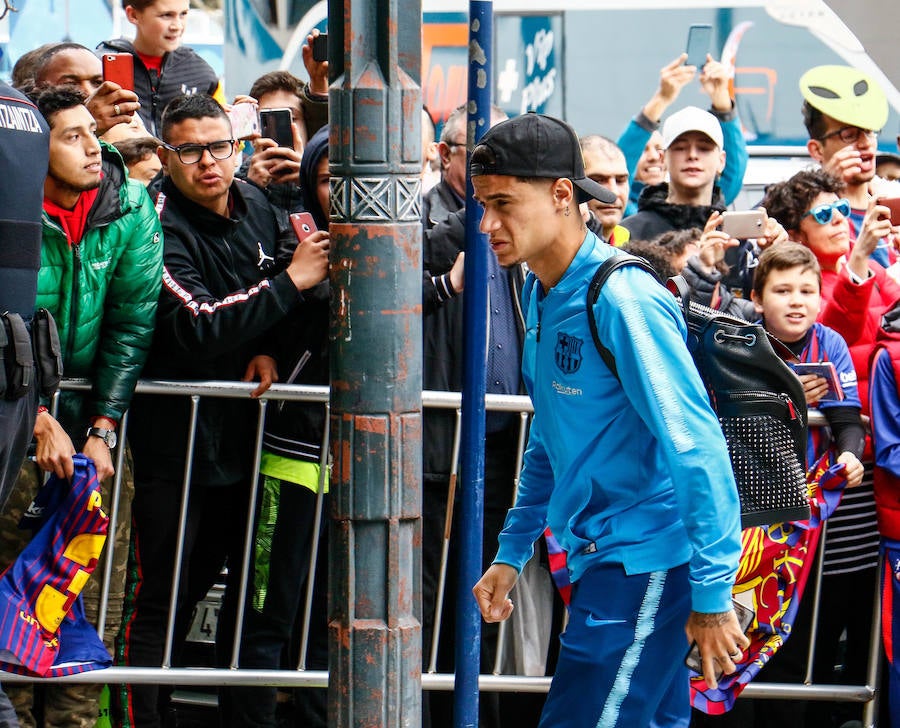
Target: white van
[[595, 62]]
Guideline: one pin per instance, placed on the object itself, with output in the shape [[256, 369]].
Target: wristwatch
[[108, 436]]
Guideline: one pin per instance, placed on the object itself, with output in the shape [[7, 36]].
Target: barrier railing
[[431, 679]]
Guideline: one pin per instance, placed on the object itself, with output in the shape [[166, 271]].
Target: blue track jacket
[[635, 473]]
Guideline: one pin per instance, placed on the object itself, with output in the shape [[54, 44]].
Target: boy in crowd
[[163, 68], [140, 157], [787, 295], [641, 142]]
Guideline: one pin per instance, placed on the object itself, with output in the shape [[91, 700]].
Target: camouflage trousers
[[70, 706]]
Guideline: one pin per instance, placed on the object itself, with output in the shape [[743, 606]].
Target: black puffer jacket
[[182, 72], [224, 294], [656, 216]]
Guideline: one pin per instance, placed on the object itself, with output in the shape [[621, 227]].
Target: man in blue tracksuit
[[632, 476]]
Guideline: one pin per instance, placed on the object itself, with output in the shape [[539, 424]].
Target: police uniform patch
[[567, 353]]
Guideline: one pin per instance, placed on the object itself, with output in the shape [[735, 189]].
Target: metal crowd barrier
[[431, 679]]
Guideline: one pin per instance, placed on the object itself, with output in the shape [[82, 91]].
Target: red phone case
[[893, 204], [119, 68], [303, 225]]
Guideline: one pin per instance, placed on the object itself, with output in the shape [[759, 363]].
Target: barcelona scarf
[[43, 630], [775, 565]]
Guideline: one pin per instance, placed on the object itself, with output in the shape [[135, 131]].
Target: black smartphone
[[320, 47], [698, 44], [745, 617], [275, 124]]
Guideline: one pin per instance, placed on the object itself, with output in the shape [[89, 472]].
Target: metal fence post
[[375, 151]]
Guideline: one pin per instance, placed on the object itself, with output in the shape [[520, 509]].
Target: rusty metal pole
[[375, 151]]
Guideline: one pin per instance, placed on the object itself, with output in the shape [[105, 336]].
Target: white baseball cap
[[692, 118]]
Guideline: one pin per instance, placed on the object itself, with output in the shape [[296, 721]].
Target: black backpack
[[758, 399]]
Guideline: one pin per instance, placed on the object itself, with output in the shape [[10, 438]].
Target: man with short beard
[[100, 274]]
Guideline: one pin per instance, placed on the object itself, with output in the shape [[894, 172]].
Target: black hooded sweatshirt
[[295, 429], [656, 216]]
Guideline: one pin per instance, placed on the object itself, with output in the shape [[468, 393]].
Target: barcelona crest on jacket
[[567, 352]]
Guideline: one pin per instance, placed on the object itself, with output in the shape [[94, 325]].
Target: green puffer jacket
[[103, 294]]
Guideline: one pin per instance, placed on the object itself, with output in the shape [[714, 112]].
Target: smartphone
[[698, 44], [320, 47], [119, 68], [893, 203], [303, 225], [244, 120], [827, 371], [745, 617], [743, 224], [275, 124]]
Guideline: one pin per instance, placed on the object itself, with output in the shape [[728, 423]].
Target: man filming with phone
[[72, 64], [274, 165], [843, 110]]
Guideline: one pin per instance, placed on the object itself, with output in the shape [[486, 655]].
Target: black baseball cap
[[536, 145]]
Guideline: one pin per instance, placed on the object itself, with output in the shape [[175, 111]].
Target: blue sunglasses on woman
[[823, 213]]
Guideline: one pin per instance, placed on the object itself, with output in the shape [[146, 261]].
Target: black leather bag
[[758, 399]]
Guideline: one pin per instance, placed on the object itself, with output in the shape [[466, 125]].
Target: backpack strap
[[613, 263], [678, 287]]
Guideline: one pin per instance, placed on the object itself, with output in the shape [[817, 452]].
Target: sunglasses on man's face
[[823, 213]]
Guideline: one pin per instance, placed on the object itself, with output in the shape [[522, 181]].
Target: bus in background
[[591, 62]]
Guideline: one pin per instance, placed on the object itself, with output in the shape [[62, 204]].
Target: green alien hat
[[847, 95]]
